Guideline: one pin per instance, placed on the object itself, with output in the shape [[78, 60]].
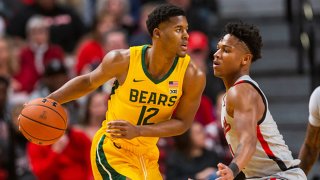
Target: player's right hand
[[122, 129]]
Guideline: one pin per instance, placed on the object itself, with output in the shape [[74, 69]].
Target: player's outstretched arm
[[242, 103], [193, 86], [114, 64], [310, 148]]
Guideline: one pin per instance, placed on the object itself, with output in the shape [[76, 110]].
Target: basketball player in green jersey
[[152, 81]]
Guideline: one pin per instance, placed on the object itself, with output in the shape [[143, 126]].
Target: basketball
[[43, 121]]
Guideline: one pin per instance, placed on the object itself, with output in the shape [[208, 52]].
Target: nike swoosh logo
[[134, 80]]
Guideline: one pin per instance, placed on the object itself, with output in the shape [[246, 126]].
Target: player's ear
[[246, 59], [156, 32]]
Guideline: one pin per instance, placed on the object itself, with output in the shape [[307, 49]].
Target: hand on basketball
[[224, 172], [122, 129]]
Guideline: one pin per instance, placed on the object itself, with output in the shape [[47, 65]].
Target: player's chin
[[181, 53], [217, 73]]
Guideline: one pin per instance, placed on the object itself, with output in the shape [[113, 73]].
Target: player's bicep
[[244, 104], [245, 123]]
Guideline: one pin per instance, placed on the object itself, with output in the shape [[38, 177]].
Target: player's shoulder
[[314, 101], [118, 60], [194, 73], [195, 78], [316, 93], [119, 54], [242, 91]]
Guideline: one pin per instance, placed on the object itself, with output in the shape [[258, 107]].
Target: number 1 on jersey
[[144, 120]]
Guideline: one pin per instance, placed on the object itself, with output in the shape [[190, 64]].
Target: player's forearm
[[308, 156], [244, 152], [310, 148], [172, 127], [72, 90]]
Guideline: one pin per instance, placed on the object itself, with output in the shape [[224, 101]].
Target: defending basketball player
[[152, 82], [258, 148], [310, 148]]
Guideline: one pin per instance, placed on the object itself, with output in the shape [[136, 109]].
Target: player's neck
[[158, 55], [158, 63], [229, 81]]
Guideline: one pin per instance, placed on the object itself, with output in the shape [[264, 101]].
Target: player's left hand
[[122, 129], [224, 172]]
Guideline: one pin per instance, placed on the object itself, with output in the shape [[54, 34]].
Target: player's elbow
[[184, 126], [183, 130], [87, 82]]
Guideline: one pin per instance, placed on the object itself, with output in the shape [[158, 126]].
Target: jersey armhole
[[133, 52], [262, 96]]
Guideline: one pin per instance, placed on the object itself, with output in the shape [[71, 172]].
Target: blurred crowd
[[44, 43]]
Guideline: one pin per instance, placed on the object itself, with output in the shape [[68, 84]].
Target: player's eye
[[225, 50]]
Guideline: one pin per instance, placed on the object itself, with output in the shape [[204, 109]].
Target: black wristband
[[234, 168]]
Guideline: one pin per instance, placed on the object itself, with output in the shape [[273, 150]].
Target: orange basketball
[[43, 121]]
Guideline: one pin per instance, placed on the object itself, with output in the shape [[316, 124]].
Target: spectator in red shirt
[[36, 55], [90, 49], [68, 158], [198, 49], [111, 40]]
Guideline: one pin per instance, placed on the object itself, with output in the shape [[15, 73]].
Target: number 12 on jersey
[[145, 114]]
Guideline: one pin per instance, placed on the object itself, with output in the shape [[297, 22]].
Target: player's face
[[174, 35], [227, 58]]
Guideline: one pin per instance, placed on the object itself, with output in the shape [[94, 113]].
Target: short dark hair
[[162, 13], [249, 34]]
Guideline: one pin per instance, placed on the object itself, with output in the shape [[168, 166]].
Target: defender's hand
[[122, 129], [224, 172]]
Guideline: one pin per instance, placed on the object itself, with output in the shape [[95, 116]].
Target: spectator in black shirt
[[66, 28]]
